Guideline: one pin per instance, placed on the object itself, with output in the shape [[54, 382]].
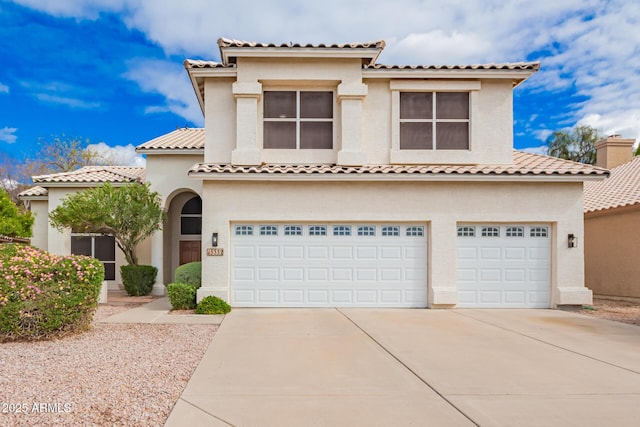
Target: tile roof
[[36, 191], [530, 66], [225, 42], [198, 63], [524, 164], [187, 139], [622, 188], [95, 174]]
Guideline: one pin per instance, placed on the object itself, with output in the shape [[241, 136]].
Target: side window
[[102, 248]]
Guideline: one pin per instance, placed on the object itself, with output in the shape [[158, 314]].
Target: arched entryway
[[182, 232]]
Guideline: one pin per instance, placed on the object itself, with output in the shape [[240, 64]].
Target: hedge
[[45, 296], [190, 272]]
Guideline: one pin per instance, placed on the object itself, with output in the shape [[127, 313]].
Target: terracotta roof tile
[[532, 66], [197, 63], [191, 139], [36, 191], [95, 174], [524, 164], [622, 188], [225, 42]]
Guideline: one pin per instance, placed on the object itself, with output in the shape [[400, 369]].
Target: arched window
[[191, 217]]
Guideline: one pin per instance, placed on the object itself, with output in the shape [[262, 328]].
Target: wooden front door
[[190, 251]]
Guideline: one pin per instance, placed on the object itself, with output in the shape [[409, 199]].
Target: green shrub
[[182, 296], [190, 273], [45, 296], [138, 280], [212, 305]]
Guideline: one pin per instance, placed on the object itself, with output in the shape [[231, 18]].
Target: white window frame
[[539, 232], [293, 230], [415, 231], [268, 230], [434, 155], [514, 231], [390, 231], [341, 230], [317, 230], [366, 230], [466, 231], [490, 231]]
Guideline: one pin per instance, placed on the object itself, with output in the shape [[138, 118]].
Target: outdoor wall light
[[573, 240], [214, 239]]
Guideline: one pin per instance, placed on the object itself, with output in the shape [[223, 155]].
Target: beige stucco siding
[[440, 205], [40, 224], [612, 246]]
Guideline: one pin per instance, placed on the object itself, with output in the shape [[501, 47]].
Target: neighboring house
[[327, 180], [612, 222]]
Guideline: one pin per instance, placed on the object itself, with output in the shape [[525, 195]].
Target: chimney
[[613, 151]]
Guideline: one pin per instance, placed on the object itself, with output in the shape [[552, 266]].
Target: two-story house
[[324, 179]]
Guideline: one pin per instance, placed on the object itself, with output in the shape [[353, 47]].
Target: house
[[612, 222], [324, 179]]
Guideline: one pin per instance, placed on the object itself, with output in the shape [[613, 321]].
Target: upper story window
[[434, 120], [298, 120]]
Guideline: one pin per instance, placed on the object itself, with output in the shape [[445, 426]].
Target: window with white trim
[[293, 230], [103, 248], [366, 230], [539, 232], [415, 231], [341, 230], [390, 230], [434, 120], [268, 230], [514, 232], [244, 230], [317, 230], [298, 120], [490, 232], [466, 231]]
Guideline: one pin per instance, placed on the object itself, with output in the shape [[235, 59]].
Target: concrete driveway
[[366, 367]]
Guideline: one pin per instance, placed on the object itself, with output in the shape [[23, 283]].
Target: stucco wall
[[233, 112], [612, 252], [40, 234], [441, 205]]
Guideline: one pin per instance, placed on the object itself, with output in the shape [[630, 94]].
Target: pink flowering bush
[[45, 296]]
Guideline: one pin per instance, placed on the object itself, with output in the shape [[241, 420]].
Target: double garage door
[[329, 265], [385, 265]]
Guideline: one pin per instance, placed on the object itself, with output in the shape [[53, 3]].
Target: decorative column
[[350, 97], [157, 260], [247, 96]]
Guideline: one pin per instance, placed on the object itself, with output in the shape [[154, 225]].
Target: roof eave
[[369, 54], [517, 76], [179, 151], [441, 177], [197, 76]]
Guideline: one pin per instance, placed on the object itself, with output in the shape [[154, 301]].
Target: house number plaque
[[215, 251]]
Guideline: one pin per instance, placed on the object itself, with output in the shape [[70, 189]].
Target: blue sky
[[111, 70]]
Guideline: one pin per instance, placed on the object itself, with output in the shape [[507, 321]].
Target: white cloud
[[542, 134], [4, 88], [69, 102], [169, 80], [118, 155], [8, 135], [586, 45]]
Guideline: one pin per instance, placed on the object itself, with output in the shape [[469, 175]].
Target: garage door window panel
[[293, 230], [490, 232], [539, 232], [390, 231], [415, 231], [366, 230], [465, 231], [318, 230], [268, 230], [244, 230], [341, 230]]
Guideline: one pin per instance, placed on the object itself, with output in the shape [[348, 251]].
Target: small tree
[[13, 221], [130, 214], [578, 145]]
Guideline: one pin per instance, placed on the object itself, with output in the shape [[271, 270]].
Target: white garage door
[[329, 265], [505, 265]]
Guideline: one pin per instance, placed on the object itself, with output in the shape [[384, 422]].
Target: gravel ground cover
[[115, 374], [619, 311]]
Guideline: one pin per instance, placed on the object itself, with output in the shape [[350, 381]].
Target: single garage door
[[503, 266], [329, 265]]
